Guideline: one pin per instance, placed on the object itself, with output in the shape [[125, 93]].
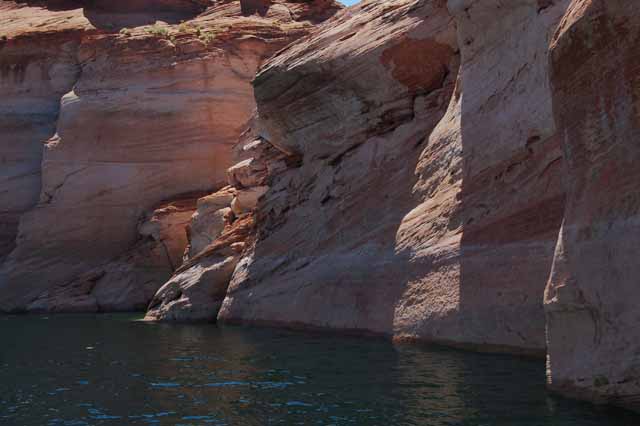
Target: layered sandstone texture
[[110, 110], [219, 232], [419, 210], [129, 281], [197, 289], [37, 66], [353, 101], [592, 297]]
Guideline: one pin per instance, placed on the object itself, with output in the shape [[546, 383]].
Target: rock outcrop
[[197, 289], [220, 229], [354, 102], [209, 220], [591, 300], [150, 112], [418, 211]]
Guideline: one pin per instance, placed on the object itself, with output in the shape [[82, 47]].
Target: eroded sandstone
[[38, 65], [154, 114], [219, 231], [197, 289], [591, 299], [407, 173], [326, 229], [418, 211]]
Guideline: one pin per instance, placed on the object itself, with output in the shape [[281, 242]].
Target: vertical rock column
[[593, 315], [483, 237], [37, 66]]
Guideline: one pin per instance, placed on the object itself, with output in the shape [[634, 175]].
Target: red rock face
[[153, 114], [346, 101], [34, 74], [408, 171], [419, 211], [592, 314], [418, 73]]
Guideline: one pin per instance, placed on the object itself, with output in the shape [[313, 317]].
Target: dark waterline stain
[[85, 370]]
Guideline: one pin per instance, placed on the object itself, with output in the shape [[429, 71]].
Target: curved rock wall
[[350, 103], [481, 241], [38, 64], [403, 219], [154, 114], [591, 300], [408, 171]]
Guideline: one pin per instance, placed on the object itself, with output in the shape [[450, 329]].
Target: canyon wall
[[149, 113], [37, 66], [419, 211], [420, 169], [591, 300]]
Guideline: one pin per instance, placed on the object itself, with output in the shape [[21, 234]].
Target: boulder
[[209, 220], [197, 289], [246, 200], [247, 173], [167, 226]]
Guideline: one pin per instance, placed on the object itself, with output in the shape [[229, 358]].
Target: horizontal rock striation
[[38, 64], [418, 211], [481, 240], [591, 300], [419, 169], [150, 113], [354, 101]]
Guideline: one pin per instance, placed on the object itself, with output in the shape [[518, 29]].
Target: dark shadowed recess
[[118, 14]]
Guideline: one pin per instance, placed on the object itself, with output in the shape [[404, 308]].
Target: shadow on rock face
[[419, 211], [252, 7], [326, 253], [118, 14], [512, 197]]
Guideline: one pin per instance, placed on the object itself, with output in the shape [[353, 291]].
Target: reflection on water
[[112, 370]]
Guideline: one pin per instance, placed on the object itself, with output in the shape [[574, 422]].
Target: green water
[[112, 370]]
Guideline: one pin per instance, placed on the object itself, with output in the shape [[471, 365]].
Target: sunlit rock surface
[[419, 211], [355, 101], [218, 233], [153, 113], [408, 171]]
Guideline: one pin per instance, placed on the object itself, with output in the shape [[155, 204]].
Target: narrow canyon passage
[[457, 172]]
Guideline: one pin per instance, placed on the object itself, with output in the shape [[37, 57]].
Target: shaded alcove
[[115, 15]]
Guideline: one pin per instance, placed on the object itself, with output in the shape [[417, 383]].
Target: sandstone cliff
[[591, 301], [420, 169], [37, 66], [150, 110], [419, 211]]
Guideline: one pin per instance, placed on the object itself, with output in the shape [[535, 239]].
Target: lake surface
[[113, 370]]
